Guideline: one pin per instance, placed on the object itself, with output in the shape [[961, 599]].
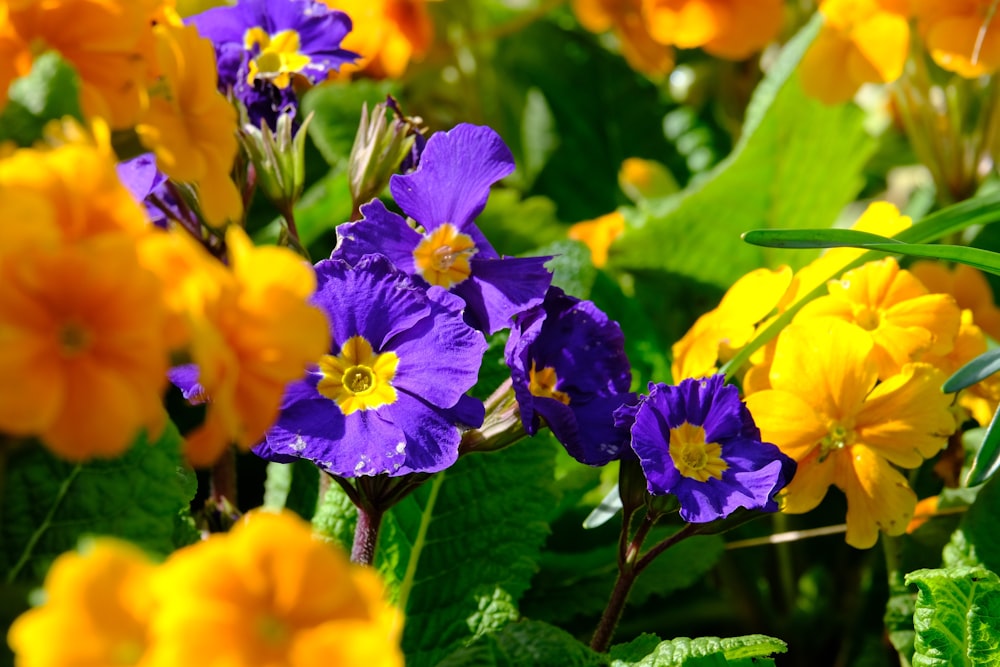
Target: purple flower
[[444, 195], [568, 366], [698, 442], [262, 45], [390, 395], [146, 183]]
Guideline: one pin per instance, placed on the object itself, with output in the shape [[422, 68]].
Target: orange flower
[[102, 39], [270, 593], [826, 412], [598, 234], [96, 611], [963, 36], [387, 33], [190, 126], [862, 41], [904, 321], [969, 287], [625, 19], [732, 29]]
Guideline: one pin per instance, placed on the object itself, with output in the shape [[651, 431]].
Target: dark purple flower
[[390, 395], [698, 442], [444, 195], [262, 45], [568, 366]]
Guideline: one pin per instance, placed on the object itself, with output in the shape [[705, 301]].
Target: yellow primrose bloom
[[718, 334], [190, 125], [826, 411], [904, 321], [250, 331], [102, 39], [270, 593], [96, 612], [969, 287], [626, 20], [598, 235], [962, 36], [862, 41], [732, 29], [387, 33]]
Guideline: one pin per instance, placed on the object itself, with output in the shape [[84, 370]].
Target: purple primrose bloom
[[444, 194], [262, 45], [698, 442], [568, 366], [390, 395], [147, 183]]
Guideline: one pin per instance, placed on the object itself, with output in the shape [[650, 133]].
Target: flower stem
[[366, 534]]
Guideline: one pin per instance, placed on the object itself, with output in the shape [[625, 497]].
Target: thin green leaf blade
[[976, 370], [987, 460]]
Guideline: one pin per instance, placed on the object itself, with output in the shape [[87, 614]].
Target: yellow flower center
[[74, 339], [838, 436], [272, 630], [358, 379], [694, 457], [868, 318], [543, 383], [442, 257], [279, 56]]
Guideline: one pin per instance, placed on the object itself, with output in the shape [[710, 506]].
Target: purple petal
[[499, 289], [380, 231]]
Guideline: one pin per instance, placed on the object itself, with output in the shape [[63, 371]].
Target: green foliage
[[524, 643], [338, 112], [701, 652], [293, 486], [49, 92], [957, 617], [797, 164], [50, 504], [977, 541]]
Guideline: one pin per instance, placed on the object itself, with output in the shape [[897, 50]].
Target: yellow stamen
[[543, 383], [839, 436], [693, 457], [442, 257], [358, 379]]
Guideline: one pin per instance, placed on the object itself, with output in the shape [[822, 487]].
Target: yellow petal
[[787, 421], [878, 497], [809, 486]]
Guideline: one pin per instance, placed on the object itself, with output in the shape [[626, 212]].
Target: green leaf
[[987, 460], [293, 486], [468, 543], [517, 226], [525, 643], [49, 92], [336, 517], [338, 112], [796, 165], [957, 617], [977, 540], [323, 206], [50, 504], [700, 652], [977, 370]]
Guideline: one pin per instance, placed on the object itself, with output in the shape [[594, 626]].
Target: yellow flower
[[387, 33], [732, 29], [718, 334], [862, 41], [598, 234], [963, 36], [104, 41], [904, 321], [625, 19], [249, 328], [269, 593], [190, 126], [826, 412], [969, 287], [96, 611]]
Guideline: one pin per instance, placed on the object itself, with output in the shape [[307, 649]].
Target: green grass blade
[[976, 370]]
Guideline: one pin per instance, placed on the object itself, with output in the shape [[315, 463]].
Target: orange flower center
[[442, 257], [868, 318], [543, 383], [74, 339], [358, 378], [693, 457]]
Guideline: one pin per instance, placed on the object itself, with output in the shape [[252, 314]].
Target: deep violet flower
[[568, 367], [699, 442], [390, 395], [444, 195]]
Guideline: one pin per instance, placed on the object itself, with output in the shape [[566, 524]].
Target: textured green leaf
[[336, 517], [700, 652], [796, 165], [483, 528], [50, 91], [525, 643], [957, 617], [977, 540], [50, 504], [293, 486]]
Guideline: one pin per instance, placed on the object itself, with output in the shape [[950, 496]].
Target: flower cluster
[[266, 593], [648, 30], [852, 387]]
